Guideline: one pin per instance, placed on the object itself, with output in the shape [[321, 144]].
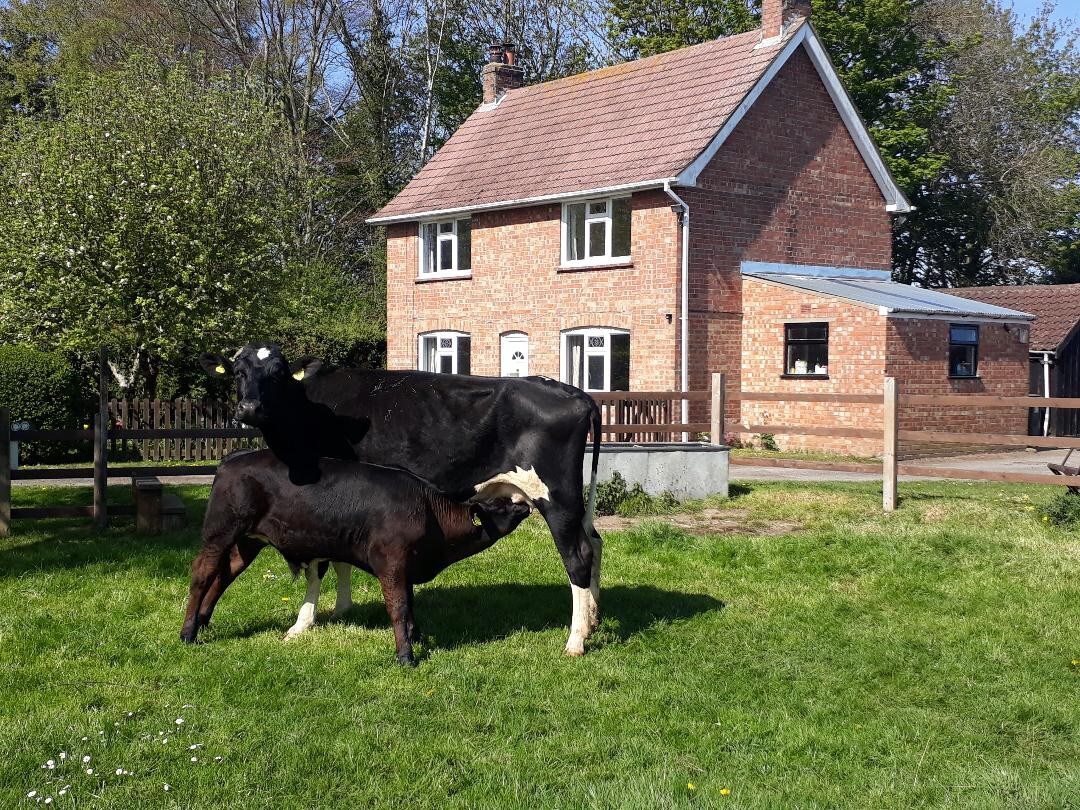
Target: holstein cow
[[473, 438], [386, 521]]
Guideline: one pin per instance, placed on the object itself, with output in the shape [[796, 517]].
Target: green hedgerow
[[43, 389]]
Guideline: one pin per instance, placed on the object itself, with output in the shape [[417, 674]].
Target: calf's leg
[[212, 562], [241, 555], [395, 588]]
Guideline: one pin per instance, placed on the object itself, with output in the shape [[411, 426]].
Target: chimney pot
[[502, 72]]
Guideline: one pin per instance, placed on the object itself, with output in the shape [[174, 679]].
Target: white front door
[[515, 354]]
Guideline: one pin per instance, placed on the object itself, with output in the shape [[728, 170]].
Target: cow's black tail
[[590, 508]]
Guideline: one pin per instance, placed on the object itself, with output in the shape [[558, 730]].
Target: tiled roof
[[631, 123], [894, 297], [1056, 308]]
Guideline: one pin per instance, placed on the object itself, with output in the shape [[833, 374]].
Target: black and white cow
[[473, 438]]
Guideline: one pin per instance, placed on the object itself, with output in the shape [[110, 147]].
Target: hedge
[[43, 389]]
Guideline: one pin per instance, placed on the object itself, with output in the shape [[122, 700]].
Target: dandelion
[[284, 599], [1076, 662], [725, 791], [690, 786]]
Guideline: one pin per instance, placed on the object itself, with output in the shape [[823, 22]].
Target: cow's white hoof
[[575, 647], [295, 632]]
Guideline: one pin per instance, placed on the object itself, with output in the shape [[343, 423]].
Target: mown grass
[[923, 658]]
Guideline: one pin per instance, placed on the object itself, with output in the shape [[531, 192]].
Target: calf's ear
[[215, 365], [305, 367]]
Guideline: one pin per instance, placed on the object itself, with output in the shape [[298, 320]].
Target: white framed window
[[446, 247], [444, 352], [596, 231], [596, 359]]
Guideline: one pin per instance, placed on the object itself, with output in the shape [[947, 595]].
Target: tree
[[154, 211], [646, 27]]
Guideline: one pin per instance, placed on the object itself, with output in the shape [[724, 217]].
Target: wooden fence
[[172, 415], [890, 435]]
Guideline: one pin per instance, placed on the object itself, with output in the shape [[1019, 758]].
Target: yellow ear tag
[[298, 375], [220, 370]]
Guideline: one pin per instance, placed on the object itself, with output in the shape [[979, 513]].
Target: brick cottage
[[717, 208]]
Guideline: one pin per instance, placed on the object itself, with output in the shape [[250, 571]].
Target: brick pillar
[[779, 15]]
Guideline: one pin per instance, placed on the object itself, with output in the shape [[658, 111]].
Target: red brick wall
[[919, 359], [864, 348], [857, 362], [788, 186], [516, 285]]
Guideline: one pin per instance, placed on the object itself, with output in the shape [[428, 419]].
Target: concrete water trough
[[685, 469]]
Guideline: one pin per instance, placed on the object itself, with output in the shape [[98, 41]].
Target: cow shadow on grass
[[461, 615]]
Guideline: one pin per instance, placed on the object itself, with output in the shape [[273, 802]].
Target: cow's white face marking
[[518, 485], [262, 353]]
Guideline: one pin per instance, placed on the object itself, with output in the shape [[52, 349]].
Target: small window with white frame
[[596, 359], [446, 247], [444, 352], [596, 231]]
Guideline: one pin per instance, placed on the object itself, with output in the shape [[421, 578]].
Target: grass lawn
[[818, 654]]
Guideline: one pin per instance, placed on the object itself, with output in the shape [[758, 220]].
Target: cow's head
[[265, 381]]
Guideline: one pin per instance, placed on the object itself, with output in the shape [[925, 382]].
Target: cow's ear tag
[[298, 374], [219, 369]]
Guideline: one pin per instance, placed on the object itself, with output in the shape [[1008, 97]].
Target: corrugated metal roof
[[893, 297]]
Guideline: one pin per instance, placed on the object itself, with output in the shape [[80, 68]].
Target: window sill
[[964, 377], [617, 264], [804, 376], [443, 277]]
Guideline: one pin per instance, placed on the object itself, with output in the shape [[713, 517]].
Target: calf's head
[[499, 516], [265, 381]]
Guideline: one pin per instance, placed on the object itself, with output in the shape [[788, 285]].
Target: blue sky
[[1064, 9]]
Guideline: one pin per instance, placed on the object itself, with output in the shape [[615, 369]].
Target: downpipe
[[683, 211]]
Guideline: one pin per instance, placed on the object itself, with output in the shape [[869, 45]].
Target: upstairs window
[[596, 231], [445, 352], [597, 359], [963, 350], [446, 247], [806, 349]]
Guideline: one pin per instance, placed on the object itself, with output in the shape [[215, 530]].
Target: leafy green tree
[[154, 211], [645, 27]]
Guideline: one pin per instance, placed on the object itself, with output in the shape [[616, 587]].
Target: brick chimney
[[777, 16], [501, 73]]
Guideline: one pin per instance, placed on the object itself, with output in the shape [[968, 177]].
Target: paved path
[[1021, 461]]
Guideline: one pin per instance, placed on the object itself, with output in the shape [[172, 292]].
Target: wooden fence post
[[101, 443], [716, 415], [5, 472], [888, 454]]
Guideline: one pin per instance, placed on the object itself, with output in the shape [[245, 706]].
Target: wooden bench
[[1065, 470], [155, 509]]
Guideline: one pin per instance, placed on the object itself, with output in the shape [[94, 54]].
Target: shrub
[[614, 497], [43, 389], [1063, 510], [768, 441]]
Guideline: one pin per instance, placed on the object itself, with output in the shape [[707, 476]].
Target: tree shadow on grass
[[461, 615]]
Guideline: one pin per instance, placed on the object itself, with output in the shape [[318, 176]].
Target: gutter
[[684, 315], [563, 196]]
